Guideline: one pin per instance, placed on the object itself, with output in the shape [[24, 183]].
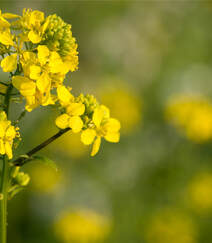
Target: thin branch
[[27, 157]]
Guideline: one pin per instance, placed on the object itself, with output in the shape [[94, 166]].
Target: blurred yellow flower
[[199, 192], [193, 115], [44, 179], [82, 226], [170, 226], [71, 144], [125, 106]]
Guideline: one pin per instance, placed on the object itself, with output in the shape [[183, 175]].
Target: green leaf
[[45, 161]]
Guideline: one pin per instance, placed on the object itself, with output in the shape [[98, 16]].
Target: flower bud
[[22, 179]]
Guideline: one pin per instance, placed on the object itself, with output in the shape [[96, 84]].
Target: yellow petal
[[34, 72], [31, 103], [25, 85], [64, 95], [34, 37], [112, 137], [3, 126], [36, 17], [10, 16], [88, 136], [75, 109], [9, 63], [10, 133], [43, 83], [2, 147], [75, 123], [112, 125], [31, 100], [100, 113], [45, 25], [3, 116], [56, 64], [43, 53], [29, 56], [4, 23], [96, 146], [6, 38], [48, 99], [62, 121], [8, 150]]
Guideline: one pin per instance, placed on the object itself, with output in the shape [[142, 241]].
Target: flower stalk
[[27, 157], [4, 180], [38, 52]]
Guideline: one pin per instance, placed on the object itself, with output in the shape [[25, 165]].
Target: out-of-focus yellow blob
[[125, 106], [81, 226], [71, 144], [169, 226], [191, 114], [200, 192], [44, 179]]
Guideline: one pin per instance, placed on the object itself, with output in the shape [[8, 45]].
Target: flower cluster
[[38, 52], [84, 114], [193, 115]]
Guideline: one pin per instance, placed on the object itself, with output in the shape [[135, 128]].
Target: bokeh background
[[150, 62]]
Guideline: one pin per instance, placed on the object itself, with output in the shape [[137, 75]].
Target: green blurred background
[[150, 62]]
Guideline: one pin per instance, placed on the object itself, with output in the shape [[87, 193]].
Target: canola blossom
[[7, 134], [38, 52]]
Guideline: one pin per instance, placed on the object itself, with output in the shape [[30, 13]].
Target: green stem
[[3, 201], [4, 180]]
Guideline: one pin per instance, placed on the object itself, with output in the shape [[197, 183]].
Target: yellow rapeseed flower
[[40, 72], [33, 24], [7, 135], [103, 126], [74, 110]]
